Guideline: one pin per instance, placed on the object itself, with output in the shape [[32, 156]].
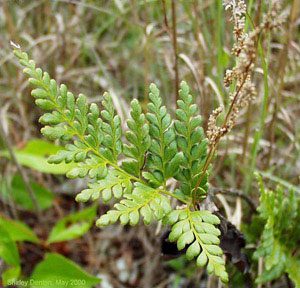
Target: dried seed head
[[244, 49], [228, 79], [273, 19], [213, 131], [238, 17]]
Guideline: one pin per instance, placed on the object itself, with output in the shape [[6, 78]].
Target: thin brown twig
[[8, 203], [237, 92], [20, 169], [12, 203], [246, 134], [146, 67], [219, 165], [174, 32], [283, 59], [200, 59], [165, 16], [237, 193], [248, 116], [213, 148], [206, 165]]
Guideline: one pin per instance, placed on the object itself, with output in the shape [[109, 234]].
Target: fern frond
[[96, 145], [139, 140], [196, 229], [164, 159], [144, 201], [115, 184], [69, 118], [190, 141]]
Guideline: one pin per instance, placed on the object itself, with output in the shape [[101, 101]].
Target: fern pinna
[[157, 149], [279, 243]]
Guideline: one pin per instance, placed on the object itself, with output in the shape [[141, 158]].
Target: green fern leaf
[[281, 231], [144, 201], [190, 141], [114, 184], [164, 159], [97, 143], [112, 130], [197, 229], [139, 140], [94, 167], [293, 270]]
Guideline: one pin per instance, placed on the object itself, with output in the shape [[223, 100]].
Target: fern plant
[[279, 243], [157, 149]]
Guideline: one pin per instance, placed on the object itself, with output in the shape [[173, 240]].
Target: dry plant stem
[[248, 117], [249, 108], [201, 66], [174, 33], [283, 59], [165, 16], [206, 165], [135, 12], [146, 69], [220, 163], [9, 22], [25, 179], [246, 135], [235, 192], [220, 285], [91, 251], [12, 203], [212, 149], [210, 281], [165, 282], [237, 93], [260, 269]]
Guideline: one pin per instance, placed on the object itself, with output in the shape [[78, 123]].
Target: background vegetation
[[121, 47]]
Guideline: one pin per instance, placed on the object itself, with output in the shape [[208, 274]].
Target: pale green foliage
[[139, 140], [280, 235], [144, 201], [190, 141], [112, 131], [196, 228], [157, 150], [163, 159], [112, 185]]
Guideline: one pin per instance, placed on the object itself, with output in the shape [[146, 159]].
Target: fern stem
[[195, 232], [5, 137], [174, 196], [206, 165]]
